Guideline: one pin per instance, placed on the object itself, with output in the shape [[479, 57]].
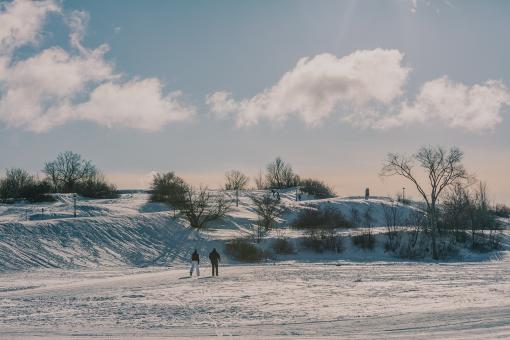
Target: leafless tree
[[267, 209], [280, 175], [441, 168], [457, 207], [202, 206], [393, 219], [67, 170], [235, 180], [14, 183], [482, 218], [260, 184]]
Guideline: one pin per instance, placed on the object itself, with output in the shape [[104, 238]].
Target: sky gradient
[[203, 87]]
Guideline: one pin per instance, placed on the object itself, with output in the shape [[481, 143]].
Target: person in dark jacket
[[195, 261], [214, 256]]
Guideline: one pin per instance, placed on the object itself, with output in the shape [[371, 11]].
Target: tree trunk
[[433, 230]]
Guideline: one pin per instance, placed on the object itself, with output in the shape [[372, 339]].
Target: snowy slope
[[130, 231]]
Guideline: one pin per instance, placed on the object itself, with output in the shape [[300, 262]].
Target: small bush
[[323, 217], [283, 246], [316, 188], [38, 191], [413, 249], [244, 251], [96, 187], [18, 184], [393, 240], [169, 188], [320, 240], [484, 243], [365, 240], [502, 210], [447, 249]]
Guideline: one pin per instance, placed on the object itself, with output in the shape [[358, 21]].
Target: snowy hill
[[132, 231]]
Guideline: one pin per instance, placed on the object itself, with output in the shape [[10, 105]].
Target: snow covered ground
[[118, 270], [354, 300], [131, 231]]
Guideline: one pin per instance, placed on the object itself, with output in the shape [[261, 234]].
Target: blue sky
[[432, 72]]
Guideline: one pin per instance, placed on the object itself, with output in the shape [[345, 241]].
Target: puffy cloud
[[137, 104], [221, 104], [317, 86], [21, 22], [38, 92], [368, 88], [55, 86], [476, 107]]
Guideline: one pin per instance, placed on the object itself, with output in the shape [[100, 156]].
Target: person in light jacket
[[195, 262]]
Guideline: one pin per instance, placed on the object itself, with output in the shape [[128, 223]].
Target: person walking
[[215, 257], [195, 262]]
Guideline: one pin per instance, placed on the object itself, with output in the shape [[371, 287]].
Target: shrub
[[413, 247], [316, 188], [502, 210], [19, 184], [168, 188], [244, 251], [487, 242], [322, 217], [447, 248], [96, 187], [320, 240], [365, 240], [283, 246], [38, 191], [393, 240]]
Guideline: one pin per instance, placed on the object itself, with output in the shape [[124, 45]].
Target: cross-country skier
[[195, 261], [214, 256]]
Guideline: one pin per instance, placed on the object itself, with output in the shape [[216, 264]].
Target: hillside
[[131, 231]]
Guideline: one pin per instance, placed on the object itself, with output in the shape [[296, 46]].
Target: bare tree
[[482, 218], [393, 219], [280, 175], [15, 182], [235, 180], [457, 207], [67, 170], [260, 184], [202, 206], [442, 168], [267, 209]]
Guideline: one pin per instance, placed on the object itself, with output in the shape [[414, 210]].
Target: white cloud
[[77, 22], [317, 86], [21, 22], [473, 108], [37, 92], [368, 88], [55, 86], [137, 104], [221, 104]]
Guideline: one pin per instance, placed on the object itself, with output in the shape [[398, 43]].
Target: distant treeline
[[68, 173]]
